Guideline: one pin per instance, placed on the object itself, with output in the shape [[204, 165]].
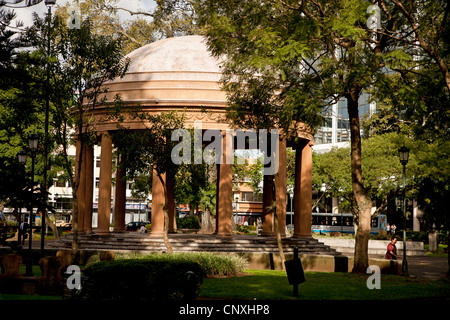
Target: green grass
[[440, 253], [273, 285]]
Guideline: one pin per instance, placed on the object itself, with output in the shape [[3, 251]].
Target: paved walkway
[[425, 267], [431, 268]]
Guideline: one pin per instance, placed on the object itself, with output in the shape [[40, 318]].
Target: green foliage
[[212, 264], [190, 222], [168, 18], [381, 167], [141, 151], [246, 229], [143, 279]]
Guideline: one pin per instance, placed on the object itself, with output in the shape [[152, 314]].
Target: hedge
[[140, 279], [212, 264]]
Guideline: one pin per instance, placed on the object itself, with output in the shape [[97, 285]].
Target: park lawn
[[273, 285]]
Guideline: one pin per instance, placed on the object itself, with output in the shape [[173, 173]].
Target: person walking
[[391, 253]]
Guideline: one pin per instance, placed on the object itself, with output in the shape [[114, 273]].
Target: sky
[[26, 14]]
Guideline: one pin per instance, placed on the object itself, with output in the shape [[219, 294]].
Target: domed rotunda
[[180, 74]]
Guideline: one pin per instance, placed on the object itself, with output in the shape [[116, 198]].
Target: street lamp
[[33, 141], [48, 3], [403, 154], [236, 199], [291, 197], [22, 156]]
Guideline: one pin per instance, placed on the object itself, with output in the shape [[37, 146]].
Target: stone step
[[192, 243]]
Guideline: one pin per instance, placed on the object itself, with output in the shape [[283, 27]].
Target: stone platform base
[[189, 242]]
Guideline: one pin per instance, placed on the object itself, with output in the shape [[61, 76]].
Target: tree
[[80, 62], [414, 100], [169, 18], [383, 178], [307, 55], [429, 22], [20, 109]]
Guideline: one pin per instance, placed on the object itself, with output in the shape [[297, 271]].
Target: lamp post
[[22, 157], [236, 199], [403, 154], [49, 4], [291, 197]]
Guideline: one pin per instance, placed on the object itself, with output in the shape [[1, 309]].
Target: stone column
[[267, 218], [334, 205], [303, 190], [104, 192], [157, 207], [417, 214], [80, 171], [120, 199], [217, 196], [89, 193], [225, 190], [281, 188], [171, 204]]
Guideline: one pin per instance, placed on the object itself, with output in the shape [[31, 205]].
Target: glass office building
[[335, 130]]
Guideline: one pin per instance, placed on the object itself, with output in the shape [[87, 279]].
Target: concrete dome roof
[[188, 54], [174, 72]]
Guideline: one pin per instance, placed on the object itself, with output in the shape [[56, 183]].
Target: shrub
[[212, 264], [143, 279], [190, 222], [246, 229]]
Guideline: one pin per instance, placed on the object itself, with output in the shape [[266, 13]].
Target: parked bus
[[339, 222]]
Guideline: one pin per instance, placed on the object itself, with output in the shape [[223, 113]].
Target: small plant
[[212, 264], [190, 222]]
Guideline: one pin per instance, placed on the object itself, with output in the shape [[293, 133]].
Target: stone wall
[[320, 263], [376, 247]]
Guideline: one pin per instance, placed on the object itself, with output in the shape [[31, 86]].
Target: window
[[60, 183], [251, 196]]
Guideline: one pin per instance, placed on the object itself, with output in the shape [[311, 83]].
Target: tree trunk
[[75, 229], [448, 255], [207, 223], [166, 216], [75, 182], [278, 234], [52, 226], [362, 224]]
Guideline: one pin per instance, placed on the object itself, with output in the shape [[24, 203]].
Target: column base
[[223, 235], [103, 233], [304, 236], [156, 234]]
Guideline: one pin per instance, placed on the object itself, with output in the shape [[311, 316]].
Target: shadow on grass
[[273, 285]]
